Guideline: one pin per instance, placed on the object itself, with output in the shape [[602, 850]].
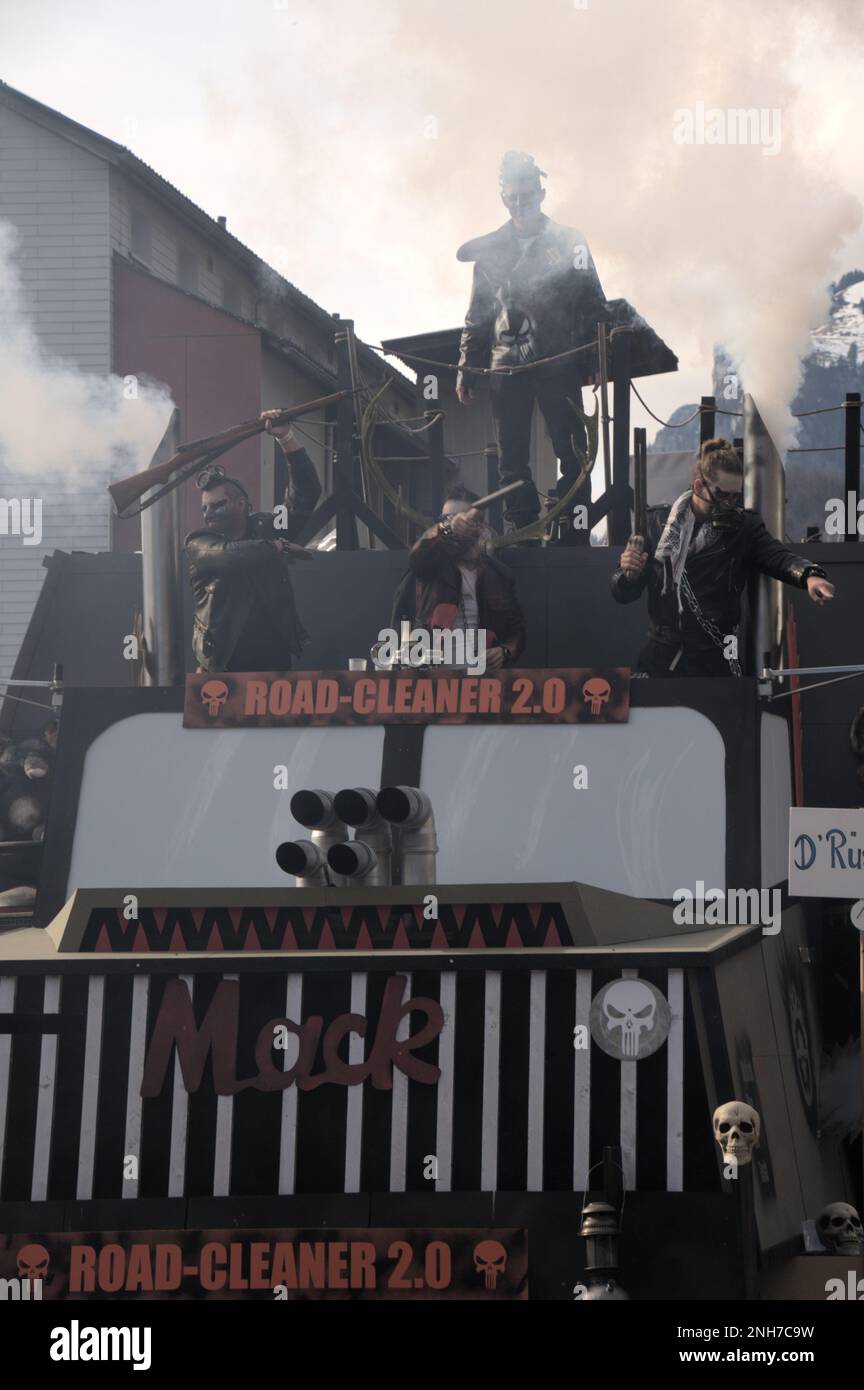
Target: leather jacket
[[232, 578], [530, 301], [434, 582], [718, 574]]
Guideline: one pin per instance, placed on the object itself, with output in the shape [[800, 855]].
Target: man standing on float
[[536, 295]]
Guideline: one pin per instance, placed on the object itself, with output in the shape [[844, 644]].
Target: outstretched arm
[[774, 559]]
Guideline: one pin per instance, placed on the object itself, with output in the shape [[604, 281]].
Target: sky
[[354, 144]]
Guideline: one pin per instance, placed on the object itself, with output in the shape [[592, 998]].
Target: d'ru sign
[[176, 1027]]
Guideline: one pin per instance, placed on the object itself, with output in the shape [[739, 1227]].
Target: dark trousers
[[513, 400], [656, 658]]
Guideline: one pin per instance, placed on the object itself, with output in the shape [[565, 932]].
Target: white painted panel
[[506, 809], [776, 797], [197, 807]]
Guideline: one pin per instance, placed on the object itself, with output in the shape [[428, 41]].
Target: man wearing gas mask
[[535, 295], [697, 559]]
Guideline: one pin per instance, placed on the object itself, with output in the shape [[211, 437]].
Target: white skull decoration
[[736, 1128], [33, 1262], [840, 1229], [213, 695], [630, 1006], [596, 692], [490, 1260]]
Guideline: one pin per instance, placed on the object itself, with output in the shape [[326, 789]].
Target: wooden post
[[853, 453], [707, 419], [343, 467], [619, 517]]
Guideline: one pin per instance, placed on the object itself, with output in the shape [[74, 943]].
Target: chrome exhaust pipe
[[305, 860], [357, 806], [315, 811], [411, 810], [353, 860]]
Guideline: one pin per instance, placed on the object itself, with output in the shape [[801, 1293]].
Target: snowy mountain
[[833, 367]]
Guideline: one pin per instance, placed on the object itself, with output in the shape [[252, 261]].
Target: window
[[187, 269], [231, 295], [141, 236]]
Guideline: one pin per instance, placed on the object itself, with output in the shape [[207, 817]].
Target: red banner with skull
[[266, 1264], [565, 695]]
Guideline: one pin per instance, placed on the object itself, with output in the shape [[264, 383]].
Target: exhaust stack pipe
[[354, 860], [315, 811], [411, 810], [358, 807], [305, 860]]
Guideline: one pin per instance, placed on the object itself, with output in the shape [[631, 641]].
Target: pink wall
[[209, 361]]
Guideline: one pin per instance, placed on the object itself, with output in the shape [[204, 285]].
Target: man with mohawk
[[536, 294]]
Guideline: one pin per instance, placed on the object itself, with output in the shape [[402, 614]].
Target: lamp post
[[601, 1231]]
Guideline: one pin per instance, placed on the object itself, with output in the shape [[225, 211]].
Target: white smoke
[[396, 117], [56, 419]]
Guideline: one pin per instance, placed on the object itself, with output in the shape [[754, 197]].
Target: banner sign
[[569, 695], [265, 1264], [365, 927], [826, 852]]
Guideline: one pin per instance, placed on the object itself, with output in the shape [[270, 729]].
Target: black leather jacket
[[532, 305], [233, 579], [229, 580], [717, 574]]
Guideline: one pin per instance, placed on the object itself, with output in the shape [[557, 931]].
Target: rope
[[667, 423], [538, 528], [498, 371]]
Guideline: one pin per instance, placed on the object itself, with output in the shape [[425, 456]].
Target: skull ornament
[[596, 692], [840, 1229], [33, 1262], [630, 1006], [213, 695], [490, 1260], [736, 1129]]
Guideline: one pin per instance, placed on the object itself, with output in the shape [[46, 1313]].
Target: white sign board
[[826, 852]]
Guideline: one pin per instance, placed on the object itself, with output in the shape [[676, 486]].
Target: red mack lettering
[[175, 1026]]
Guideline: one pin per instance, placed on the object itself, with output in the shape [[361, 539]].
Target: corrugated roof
[[122, 157]]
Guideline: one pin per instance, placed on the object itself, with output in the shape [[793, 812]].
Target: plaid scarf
[[677, 541]]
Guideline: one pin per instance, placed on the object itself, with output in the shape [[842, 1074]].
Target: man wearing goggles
[[695, 562], [245, 615]]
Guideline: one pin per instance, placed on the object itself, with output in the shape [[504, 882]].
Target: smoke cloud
[[395, 118], [55, 419]]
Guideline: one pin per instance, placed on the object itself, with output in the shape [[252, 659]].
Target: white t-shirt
[[469, 612]]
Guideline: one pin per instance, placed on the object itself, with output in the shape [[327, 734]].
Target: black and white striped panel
[[517, 1107]]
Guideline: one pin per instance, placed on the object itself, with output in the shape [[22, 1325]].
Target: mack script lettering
[[175, 1026]]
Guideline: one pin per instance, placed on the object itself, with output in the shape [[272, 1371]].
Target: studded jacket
[[529, 299], [717, 574]]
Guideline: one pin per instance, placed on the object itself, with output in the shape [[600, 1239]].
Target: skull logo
[[630, 1006], [490, 1260], [840, 1229], [596, 692], [736, 1129], [33, 1262], [213, 695]]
